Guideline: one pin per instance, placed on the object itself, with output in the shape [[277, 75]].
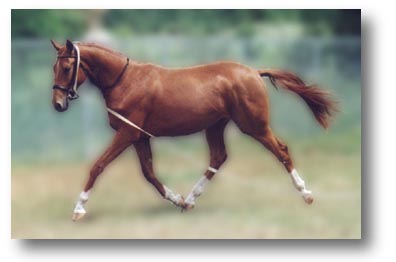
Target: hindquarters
[[250, 109]]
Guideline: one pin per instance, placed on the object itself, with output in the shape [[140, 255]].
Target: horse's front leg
[[143, 150], [122, 139]]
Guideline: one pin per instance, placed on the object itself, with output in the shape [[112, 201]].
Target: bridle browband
[[72, 92]]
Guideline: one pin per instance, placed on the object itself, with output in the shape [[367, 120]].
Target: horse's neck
[[103, 67]]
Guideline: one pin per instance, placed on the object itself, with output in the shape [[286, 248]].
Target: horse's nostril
[[58, 107]]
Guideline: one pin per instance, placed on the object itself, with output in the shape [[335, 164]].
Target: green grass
[[252, 197]]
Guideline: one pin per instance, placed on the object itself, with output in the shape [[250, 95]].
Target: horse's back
[[191, 99]]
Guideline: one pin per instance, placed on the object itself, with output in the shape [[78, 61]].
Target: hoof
[[180, 201], [77, 216], [187, 206], [308, 198]]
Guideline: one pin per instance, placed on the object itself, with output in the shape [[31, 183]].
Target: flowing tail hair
[[318, 100]]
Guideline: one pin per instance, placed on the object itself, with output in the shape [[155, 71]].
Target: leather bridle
[[72, 92]]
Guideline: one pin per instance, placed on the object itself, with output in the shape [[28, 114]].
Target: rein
[[125, 120]]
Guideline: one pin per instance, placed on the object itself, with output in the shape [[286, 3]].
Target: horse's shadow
[[145, 211]]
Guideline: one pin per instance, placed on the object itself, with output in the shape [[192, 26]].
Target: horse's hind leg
[[280, 150], [218, 155], [143, 150]]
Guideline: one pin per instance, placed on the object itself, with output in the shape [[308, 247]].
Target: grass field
[[252, 197]]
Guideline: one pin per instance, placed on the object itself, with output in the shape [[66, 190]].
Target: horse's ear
[[56, 45], [69, 45]]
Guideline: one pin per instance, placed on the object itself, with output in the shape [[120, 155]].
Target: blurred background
[[252, 197]]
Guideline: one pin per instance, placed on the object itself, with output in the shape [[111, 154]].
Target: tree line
[[73, 23]]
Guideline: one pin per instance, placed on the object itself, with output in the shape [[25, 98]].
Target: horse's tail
[[318, 100]]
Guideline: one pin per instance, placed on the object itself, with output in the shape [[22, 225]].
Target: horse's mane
[[103, 48]]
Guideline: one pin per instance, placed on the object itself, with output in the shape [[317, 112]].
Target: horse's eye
[[66, 69]]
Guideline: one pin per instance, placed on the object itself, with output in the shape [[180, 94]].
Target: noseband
[[71, 95]]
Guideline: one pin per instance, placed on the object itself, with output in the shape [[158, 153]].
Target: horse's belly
[[180, 122]]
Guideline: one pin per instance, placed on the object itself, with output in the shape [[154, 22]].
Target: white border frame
[[378, 49]]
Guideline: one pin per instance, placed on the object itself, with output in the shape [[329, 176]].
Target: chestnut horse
[[146, 100]]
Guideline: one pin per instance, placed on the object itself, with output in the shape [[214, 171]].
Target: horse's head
[[68, 75]]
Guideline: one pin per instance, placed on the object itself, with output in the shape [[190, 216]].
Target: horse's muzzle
[[60, 107], [60, 103], [60, 98]]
